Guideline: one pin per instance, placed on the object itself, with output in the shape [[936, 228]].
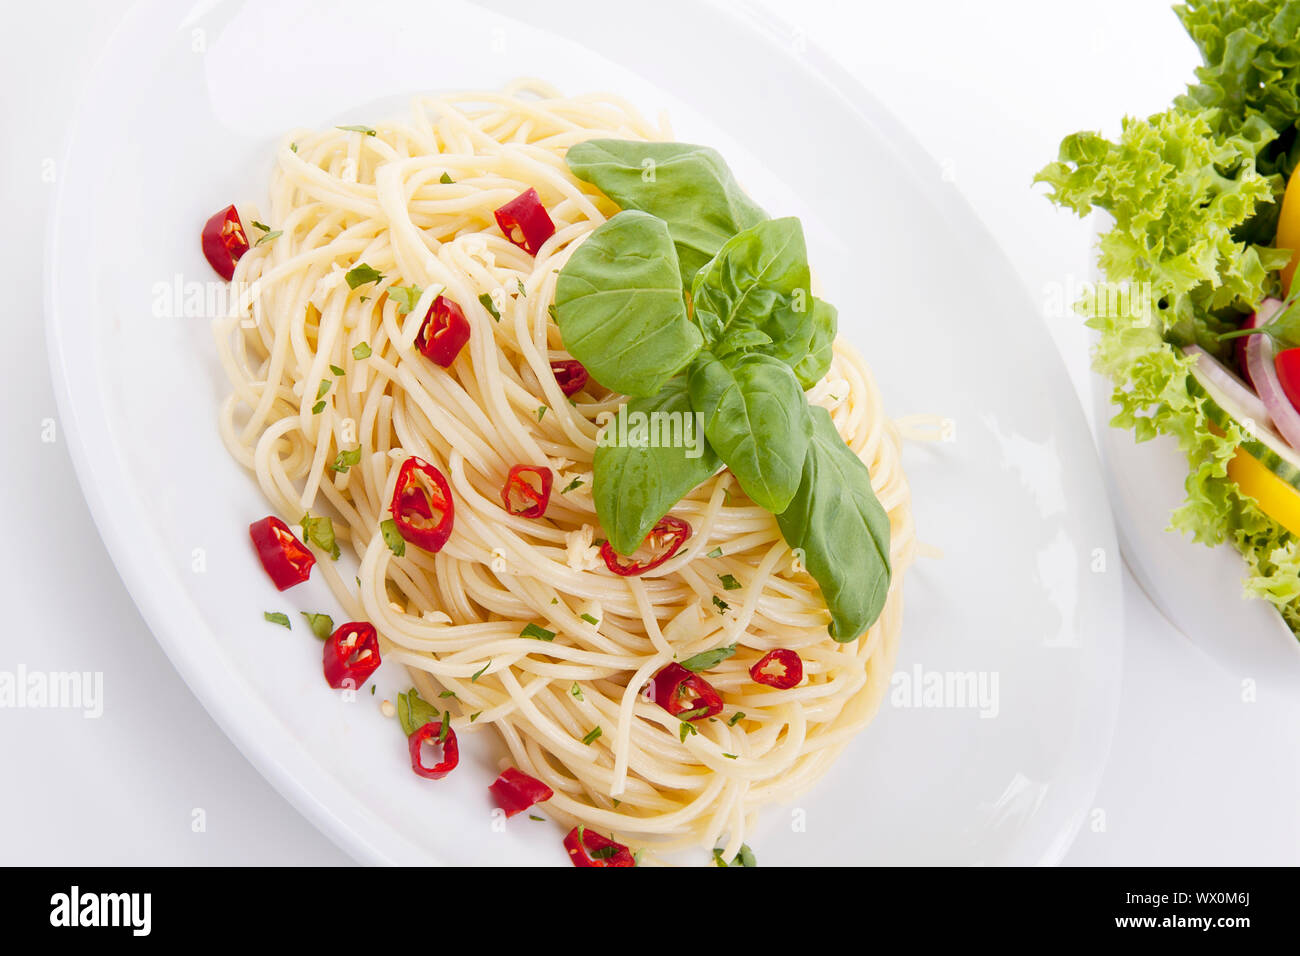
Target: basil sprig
[[692, 300]]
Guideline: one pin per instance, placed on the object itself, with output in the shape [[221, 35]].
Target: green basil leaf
[[842, 529], [413, 712], [637, 476], [620, 307], [689, 187], [812, 368], [758, 286], [755, 419]]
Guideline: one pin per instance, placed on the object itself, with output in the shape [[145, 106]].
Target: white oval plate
[[180, 120]]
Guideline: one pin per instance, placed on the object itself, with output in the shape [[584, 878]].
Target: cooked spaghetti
[[324, 372]]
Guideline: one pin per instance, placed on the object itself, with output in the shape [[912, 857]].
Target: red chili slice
[[665, 539], [684, 694], [285, 558], [525, 221], [422, 506], [780, 668], [515, 791], [351, 655], [588, 848], [450, 750], [523, 498], [444, 332], [571, 375], [224, 241]]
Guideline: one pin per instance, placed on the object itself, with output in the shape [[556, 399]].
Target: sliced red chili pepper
[[351, 655], [571, 375], [684, 694], [285, 558], [781, 668], [444, 332], [450, 750], [588, 848], [525, 221], [422, 506], [515, 791], [665, 539], [524, 498], [224, 241]]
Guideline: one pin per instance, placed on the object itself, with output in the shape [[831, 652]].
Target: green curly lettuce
[[1193, 194]]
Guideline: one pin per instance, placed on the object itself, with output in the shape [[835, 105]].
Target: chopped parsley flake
[[540, 633], [361, 351], [359, 129], [279, 617], [485, 300], [729, 582], [392, 537], [406, 297], [322, 625], [360, 274]]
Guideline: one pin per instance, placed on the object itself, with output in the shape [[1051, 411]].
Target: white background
[[1197, 775]]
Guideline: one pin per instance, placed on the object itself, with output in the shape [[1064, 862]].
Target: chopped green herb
[[413, 712], [392, 537], [729, 582], [320, 532], [318, 407], [359, 129], [722, 606], [592, 737], [730, 756], [322, 625], [687, 715], [715, 553], [744, 858], [445, 727], [593, 621], [533, 816], [687, 730], [522, 291], [337, 371], [361, 351], [550, 310], [345, 460], [261, 225], [293, 147], [406, 297], [707, 659], [604, 853], [486, 301], [575, 483], [541, 410], [474, 716], [446, 179], [269, 236], [361, 274], [323, 388], [576, 691], [278, 617], [372, 690], [736, 718], [447, 693], [479, 673], [540, 633]]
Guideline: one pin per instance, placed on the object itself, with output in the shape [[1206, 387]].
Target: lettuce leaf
[[1189, 191]]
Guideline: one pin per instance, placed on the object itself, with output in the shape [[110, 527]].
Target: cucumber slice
[[1262, 443]]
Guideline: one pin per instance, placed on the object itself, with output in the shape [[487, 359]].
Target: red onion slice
[[1234, 388], [1259, 359]]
